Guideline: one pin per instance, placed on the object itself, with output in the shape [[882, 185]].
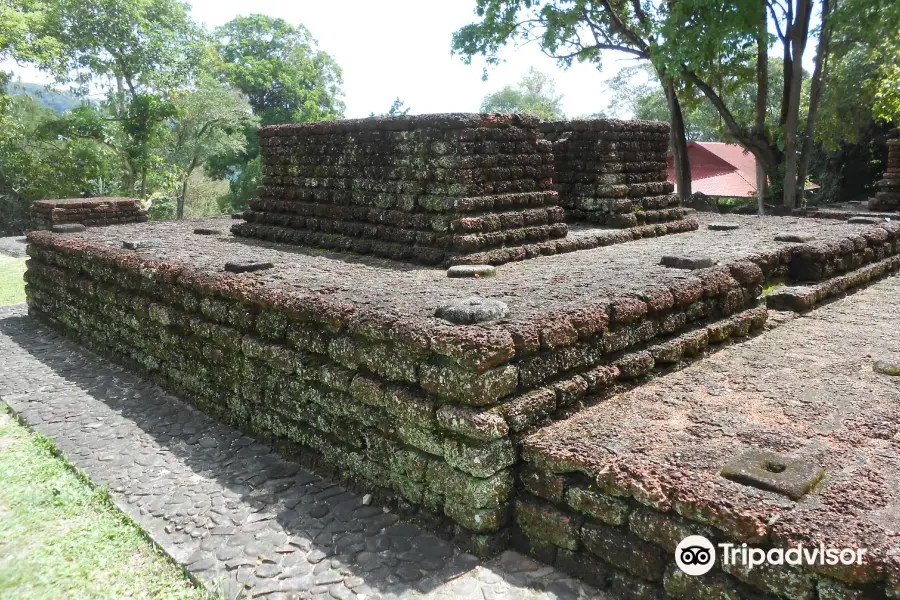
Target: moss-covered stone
[[472, 423], [479, 520], [470, 491], [526, 410], [469, 387], [479, 459], [602, 507], [618, 548], [544, 523], [712, 586], [543, 484]]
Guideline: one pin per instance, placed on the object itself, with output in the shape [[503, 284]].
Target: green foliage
[[534, 94], [210, 120], [127, 45], [285, 78], [396, 110], [60, 537], [12, 284], [280, 69]]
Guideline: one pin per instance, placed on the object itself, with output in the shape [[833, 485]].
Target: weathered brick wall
[[420, 409], [612, 172], [90, 212], [621, 537], [430, 188], [888, 195]]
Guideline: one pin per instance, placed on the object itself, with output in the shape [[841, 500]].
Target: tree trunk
[[678, 139], [179, 203], [815, 95], [762, 96], [798, 43]]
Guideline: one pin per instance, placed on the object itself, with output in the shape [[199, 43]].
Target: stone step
[[805, 297]]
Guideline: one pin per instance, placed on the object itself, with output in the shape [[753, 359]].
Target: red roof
[[720, 169]]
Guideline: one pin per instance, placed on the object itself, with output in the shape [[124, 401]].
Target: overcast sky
[[401, 48]]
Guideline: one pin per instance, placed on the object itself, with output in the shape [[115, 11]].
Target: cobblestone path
[[237, 515]]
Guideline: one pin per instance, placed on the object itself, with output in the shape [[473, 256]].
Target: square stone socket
[[791, 477], [247, 266]]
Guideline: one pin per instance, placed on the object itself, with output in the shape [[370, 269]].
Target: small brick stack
[[613, 173], [888, 196], [90, 212], [432, 189]]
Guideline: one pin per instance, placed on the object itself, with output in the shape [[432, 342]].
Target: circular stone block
[[722, 226], [68, 228], [472, 310], [800, 238], [206, 231], [471, 271], [886, 367]]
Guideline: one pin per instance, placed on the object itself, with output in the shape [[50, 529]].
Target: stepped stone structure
[[431, 188], [90, 212], [472, 403], [888, 196], [611, 172]]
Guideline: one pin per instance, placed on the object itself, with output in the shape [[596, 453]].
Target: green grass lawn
[[61, 538], [12, 286]]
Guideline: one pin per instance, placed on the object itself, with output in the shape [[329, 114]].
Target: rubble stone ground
[[237, 515]]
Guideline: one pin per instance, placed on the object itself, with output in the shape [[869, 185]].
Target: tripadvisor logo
[[696, 555]]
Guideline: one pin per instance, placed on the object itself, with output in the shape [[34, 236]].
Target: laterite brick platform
[[430, 188], [345, 358], [90, 212]]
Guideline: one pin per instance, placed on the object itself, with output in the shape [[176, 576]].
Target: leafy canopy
[[534, 94]]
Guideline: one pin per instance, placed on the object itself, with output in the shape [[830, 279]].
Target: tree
[[396, 110], [285, 78], [210, 120], [783, 152], [580, 30], [138, 50], [535, 93]]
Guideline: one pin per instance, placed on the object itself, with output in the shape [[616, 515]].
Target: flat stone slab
[[472, 271], [237, 515], [779, 473], [791, 236], [865, 220], [687, 262], [804, 391], [139, 244], [247, 266], [472, 310], [68, 228], [723, 226]]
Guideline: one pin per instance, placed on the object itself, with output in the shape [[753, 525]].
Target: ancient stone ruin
[[69, 213], [457, 188], [888, 196], [612, 172], [462, 399]]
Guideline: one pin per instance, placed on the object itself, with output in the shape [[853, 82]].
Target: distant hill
[[59, 102]]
